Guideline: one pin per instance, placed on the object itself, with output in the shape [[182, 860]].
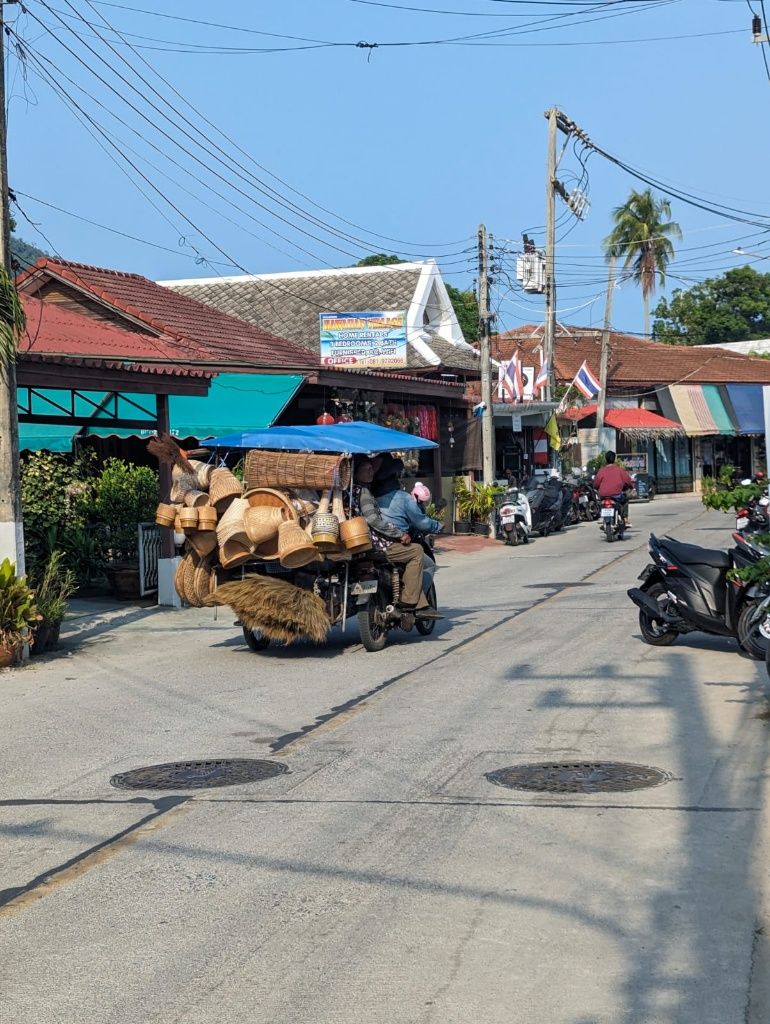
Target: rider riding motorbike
[[393, 541], [613, 482]]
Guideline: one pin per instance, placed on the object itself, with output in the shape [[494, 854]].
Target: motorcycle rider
[[394, 542], [614, 482], [396, 505]]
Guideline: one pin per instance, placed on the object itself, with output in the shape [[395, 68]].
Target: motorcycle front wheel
[[750, 639], [255, 641]]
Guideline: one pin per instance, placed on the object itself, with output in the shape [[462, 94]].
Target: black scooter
[[686, 589]]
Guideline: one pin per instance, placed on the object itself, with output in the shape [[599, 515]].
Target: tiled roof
[[635, 361], [158, 369], [290, 304], [51, 329], [200, 333]]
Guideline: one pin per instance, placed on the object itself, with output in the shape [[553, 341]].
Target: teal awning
[[235, 402], [716, 405]]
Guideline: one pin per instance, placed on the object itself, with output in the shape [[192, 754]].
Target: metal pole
[[11, 530], [766, 404], [487, 421], [605, 357], [549, 333]]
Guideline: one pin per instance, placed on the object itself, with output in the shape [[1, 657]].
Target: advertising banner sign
[[636, 463], [365, 341]]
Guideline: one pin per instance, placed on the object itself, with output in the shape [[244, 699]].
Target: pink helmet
[[420, 492]]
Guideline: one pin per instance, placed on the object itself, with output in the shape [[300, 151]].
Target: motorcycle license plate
[[507, 519], [608, 513], [364, 587], [583, 499], [741, 523]]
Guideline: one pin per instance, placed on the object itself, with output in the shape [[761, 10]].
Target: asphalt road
[[382, 878]]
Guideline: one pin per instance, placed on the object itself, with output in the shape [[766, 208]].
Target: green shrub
[[18, 612], [123, 496]]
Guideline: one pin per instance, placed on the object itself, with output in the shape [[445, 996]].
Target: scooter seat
[[692, 554]]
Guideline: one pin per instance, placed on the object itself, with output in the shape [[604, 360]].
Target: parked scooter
[[545, 501], [515, 517], [685, 589], [589, 502]]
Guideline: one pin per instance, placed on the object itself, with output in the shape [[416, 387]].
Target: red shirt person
[[611, 479]]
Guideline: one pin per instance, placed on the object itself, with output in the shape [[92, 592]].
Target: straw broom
[[279, 610], [165, 449]]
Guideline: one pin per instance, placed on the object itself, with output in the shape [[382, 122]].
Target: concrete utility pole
[[605, 358], [11, 532], [487, 421], [549, 332]]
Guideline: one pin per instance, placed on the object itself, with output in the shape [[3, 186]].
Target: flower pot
[[480, 529], [124, 581], [46, 638], [462, 526], [10, 655]]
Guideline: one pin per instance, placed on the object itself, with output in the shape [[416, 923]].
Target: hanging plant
[[12, 319]]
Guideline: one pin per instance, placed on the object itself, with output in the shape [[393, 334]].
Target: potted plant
[[56, 586], [484, 506], [464, 502], [18, 614], [124, 496]]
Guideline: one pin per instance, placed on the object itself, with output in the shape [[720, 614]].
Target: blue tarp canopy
[[355, 438], [746, 402]]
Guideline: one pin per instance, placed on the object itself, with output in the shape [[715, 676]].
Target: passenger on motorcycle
[[394, 543], [396, 505], [613, 482]]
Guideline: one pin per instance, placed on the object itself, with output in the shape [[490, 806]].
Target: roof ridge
[[54, 261]]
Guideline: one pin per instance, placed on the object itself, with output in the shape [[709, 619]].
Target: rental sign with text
[[364, 341]]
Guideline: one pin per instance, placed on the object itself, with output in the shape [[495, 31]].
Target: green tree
[[466, 306], [379, 259], [23, 254], [641, 238], [732, 307]]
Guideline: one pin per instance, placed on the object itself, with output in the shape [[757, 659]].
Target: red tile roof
[[626, 419], [200, 333], [634, 362], [157, 369]]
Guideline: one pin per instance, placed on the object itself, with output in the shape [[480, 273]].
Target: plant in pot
[[18, 614], [124, 496], [57, 585], [464, 506]]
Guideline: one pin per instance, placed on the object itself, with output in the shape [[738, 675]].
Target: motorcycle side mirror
[[440, 504]]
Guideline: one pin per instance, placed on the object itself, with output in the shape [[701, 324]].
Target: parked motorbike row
[[687, 588], [549, 506]]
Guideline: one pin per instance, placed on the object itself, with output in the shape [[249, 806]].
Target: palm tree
[[642, 237]]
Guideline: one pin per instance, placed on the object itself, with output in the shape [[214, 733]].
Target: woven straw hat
[[234, 544], [262, 522], [224, 486], [295, 548]]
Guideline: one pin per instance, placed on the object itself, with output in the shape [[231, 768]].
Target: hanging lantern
[[325, 419], [345, 418]]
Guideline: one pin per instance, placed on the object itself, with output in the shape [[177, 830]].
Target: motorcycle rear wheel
[[374, 633], [608, 532], [655, 632], [426, 626], [255, 641]]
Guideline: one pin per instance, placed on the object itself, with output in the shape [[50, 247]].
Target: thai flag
[[512, 380], [542, 375], [585, 382]]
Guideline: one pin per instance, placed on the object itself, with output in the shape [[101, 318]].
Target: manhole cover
[[198, 774], [579, 777]]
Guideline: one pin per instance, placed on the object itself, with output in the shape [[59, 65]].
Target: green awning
[[717, 409]]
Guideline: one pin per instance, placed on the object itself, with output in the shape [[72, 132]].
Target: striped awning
[[746, 408], [699, 408]]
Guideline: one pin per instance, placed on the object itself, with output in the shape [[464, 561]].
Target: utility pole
[[487, 420], [549, 331], [11, 532], [605, 357]]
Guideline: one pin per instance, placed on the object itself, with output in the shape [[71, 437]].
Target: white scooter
[[515, 517]]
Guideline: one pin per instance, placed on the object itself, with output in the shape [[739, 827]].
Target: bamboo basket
[[190, 562], [188, 519], [355, 535], [179, 580], [202, 542], [235, 548], [295, 469], [295, 548], [207, 517], [165, 515], [325, 526], [193, 499], [262, 522], [224, 487]]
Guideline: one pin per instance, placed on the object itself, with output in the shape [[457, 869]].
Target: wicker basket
[[325, 526], [235, 548], [262, 522], [295, 469], [190, 562], [224, 487], [193, 499], [205, 581], [295, 548], [207, 517], [179, 580], [202, 542], [188, 519], [355, 534], [165, 515]]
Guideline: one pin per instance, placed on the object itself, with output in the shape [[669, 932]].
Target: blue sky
[[418, 143]]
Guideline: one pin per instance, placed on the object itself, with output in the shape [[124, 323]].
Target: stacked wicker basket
[[289, 508]]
